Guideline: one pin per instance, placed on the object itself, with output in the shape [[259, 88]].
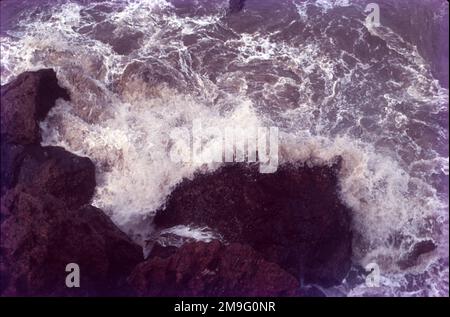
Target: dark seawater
[[334, 85]]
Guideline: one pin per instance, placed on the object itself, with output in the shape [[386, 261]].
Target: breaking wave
[[332, 84]]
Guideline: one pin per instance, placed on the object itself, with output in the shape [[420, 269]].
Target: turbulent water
[[332, 84]]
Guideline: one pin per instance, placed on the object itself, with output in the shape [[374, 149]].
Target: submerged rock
[[293, 217], [141, 81], [212, 269], [420, 248]]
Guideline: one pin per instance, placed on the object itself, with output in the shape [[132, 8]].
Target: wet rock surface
[[292, 217], [25, 102], [40, 236], [50, 170], [277, 231], [212, 269], [46, 222]]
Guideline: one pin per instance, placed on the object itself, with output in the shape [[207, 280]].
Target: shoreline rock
[[46, 222], [212, 269], [40, 236], [292, 217], [280, 230], [49, 169], [26, 101]]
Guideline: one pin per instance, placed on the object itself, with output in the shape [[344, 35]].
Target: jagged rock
[[356, 275], [49, 169], [45, 223], [25, 101], [40, 236], [60, 173], [292, 217], [211, 269], [161, 251]]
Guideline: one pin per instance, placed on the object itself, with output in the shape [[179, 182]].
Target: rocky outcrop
[[50, 170], [45, 220], [276, 231], [40, 236], [212, 269], [292, 217], [25, 102]]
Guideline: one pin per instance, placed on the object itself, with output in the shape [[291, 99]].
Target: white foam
[[379, 191], [132, 151], [197, 234]]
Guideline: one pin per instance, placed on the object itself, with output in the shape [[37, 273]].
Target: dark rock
[[45, 223], [49, 169], [417, 250], [11, 159], [161, 251], [356, 275], [40, 236], [292, 217], [212, 269], [60, 173], [235, 6], [25, 101]]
